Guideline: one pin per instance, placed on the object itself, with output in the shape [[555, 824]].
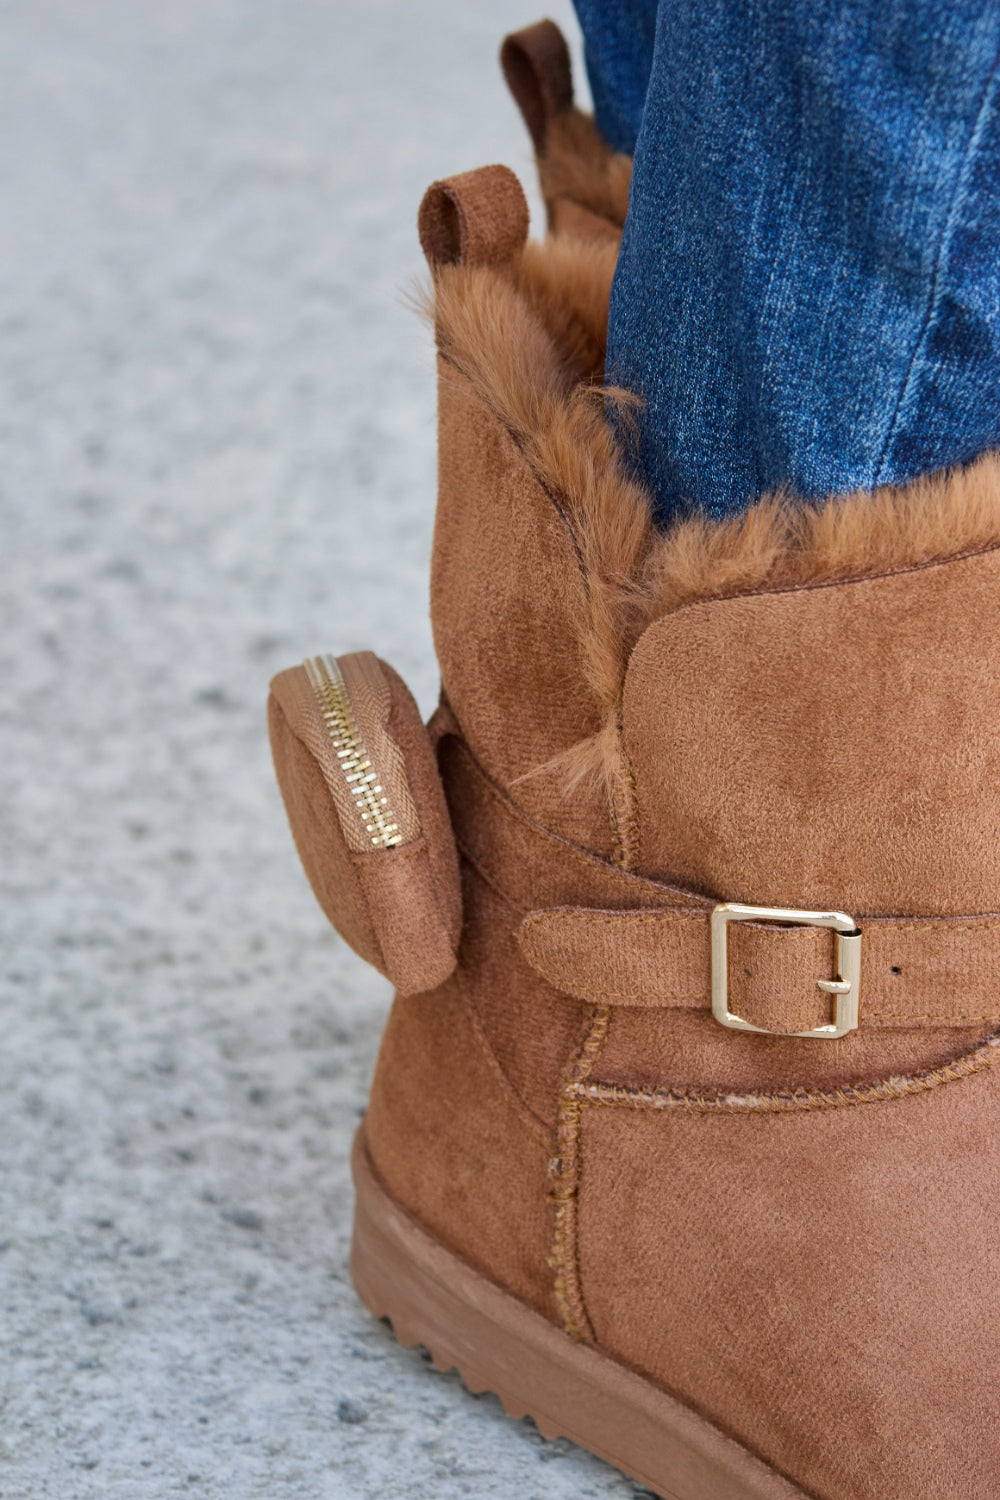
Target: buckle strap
[[918, 971], [530, 865], [612, 937]]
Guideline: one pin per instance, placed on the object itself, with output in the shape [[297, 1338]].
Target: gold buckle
[[845, 988]]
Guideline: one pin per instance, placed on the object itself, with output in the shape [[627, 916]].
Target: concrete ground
[[216, 456]]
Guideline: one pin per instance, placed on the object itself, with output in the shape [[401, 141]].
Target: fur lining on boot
[[530, 337], [580, 166]]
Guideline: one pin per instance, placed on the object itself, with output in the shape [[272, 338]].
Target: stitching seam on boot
[[568, 1290], [797, 1101]]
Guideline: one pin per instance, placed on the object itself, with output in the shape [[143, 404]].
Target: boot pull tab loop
[[536, 65], [474, 219]]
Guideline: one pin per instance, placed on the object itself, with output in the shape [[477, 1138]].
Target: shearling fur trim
[[579, 165], [530, 336]]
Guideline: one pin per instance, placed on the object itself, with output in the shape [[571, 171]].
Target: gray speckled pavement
[[216, 455]]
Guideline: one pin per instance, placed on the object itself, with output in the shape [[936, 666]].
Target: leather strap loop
[[473, 219], [536, 65]]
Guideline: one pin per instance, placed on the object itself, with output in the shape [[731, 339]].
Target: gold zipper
[[327, 682]]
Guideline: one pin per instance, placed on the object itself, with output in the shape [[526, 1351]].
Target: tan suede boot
[[711, 1188]]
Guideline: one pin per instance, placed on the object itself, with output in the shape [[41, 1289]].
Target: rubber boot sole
[[496, 1343]]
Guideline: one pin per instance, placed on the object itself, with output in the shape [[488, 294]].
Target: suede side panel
[[822, 1284], [506, 598], [454, 1147], [690, 1050], [831, 746], [531, 1027]]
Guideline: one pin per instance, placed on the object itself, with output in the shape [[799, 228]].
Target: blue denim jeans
[[808, 292]]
